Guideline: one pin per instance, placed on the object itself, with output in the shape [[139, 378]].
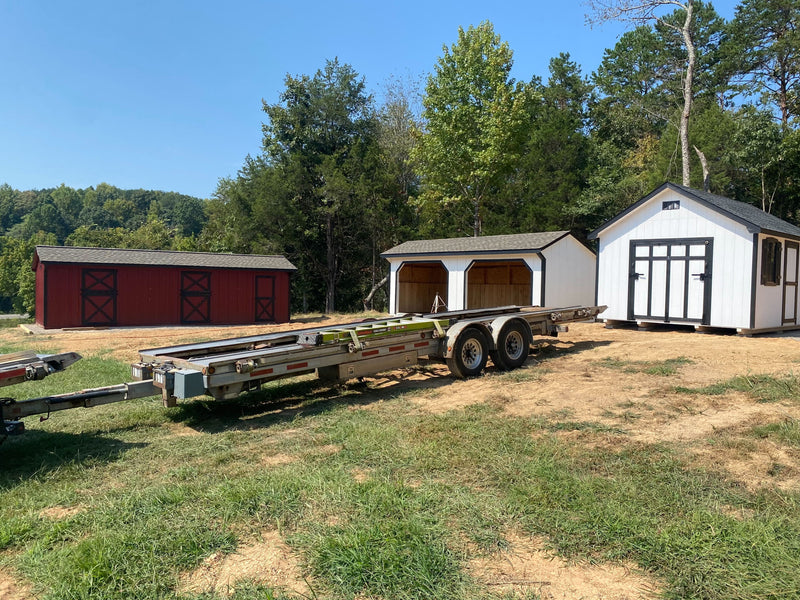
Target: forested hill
[[686, 97], [101, 216]]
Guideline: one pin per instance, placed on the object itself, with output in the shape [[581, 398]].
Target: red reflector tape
[[421, 344], [296, 366], [261, 372], [370, 353], [397, 348]]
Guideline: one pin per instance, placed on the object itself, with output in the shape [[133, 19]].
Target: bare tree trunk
[[368, 300], [330, 283], [687, 93], [706, 174]]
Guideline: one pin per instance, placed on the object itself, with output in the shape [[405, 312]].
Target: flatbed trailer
[[463, 339], [223, 369]]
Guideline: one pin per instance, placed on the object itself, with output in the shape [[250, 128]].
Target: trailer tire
[[470, 353], [513, 346]]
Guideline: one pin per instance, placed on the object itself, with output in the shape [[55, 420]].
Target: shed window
[[671, 205], [770, 262]]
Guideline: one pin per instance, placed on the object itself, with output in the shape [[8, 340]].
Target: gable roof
[[755, 219], [490, 244], [158, 258]]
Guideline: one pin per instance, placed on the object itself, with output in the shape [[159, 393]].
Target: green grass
[[663, 368], [378, 500], [785, 432], [763, 388]]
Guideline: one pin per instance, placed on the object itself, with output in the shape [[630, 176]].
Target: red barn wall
[[152, 295]]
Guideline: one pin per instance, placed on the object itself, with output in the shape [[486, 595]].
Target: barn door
[[670, 280], [790, 283], [265, 298], [195, 297], [98, 297]]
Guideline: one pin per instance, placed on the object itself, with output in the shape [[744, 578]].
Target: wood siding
[[152, 295]]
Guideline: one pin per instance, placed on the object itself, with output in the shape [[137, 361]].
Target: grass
[[785, 432], [762, 388], [153, 492]]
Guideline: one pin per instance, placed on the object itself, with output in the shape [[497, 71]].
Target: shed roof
[[159, 258], [490, 244], [756, 220]]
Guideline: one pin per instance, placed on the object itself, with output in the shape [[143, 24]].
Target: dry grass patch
[[527, 567], [12, 589], [268, 561], [57, 513]]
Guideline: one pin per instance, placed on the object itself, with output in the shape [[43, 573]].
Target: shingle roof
[[490, 244], [160, 258], [753, 217]]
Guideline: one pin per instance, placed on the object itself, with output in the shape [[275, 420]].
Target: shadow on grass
[[282, 402], [38, 453], [285, 401]]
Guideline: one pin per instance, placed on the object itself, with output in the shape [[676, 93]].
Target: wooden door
[[670, 280], [265, 298], [98, 297], [790, 265], [195, 297]]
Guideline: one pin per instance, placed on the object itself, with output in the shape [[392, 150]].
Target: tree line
[[683, 96]]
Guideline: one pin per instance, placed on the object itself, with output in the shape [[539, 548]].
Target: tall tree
[[316, 137], [641, 12], [766, 45], [473, 113], [552, 169]]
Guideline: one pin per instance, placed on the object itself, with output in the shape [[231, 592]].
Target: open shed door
[[418, 284], [670, 280], [498, 283]]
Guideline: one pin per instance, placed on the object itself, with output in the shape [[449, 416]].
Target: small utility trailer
[[223, 369]]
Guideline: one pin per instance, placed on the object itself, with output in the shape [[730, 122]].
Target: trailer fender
[[456, 330]]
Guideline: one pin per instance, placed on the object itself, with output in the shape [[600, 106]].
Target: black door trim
[[668, 258]]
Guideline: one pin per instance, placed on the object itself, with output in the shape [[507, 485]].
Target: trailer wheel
[[470, 353], [513, 346]]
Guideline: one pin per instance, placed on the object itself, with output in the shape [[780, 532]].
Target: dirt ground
[[589, 374]]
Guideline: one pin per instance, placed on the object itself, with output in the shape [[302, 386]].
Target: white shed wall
[[732, 260], [570, 271], [769, 298]]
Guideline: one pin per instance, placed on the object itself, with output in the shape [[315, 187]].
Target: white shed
[[684, 256], [544, 269]]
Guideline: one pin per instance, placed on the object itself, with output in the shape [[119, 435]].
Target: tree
[[641, 12], [552, 169], [315, 139], [473, 114], [766, 44]]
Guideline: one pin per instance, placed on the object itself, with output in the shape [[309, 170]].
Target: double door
[[670, 280]]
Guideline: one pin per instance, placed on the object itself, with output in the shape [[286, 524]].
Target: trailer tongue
[[223, 369]]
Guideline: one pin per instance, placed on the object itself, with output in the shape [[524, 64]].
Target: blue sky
[[167, 95]]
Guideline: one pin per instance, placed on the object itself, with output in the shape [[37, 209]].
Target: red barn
[[78, 287]]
